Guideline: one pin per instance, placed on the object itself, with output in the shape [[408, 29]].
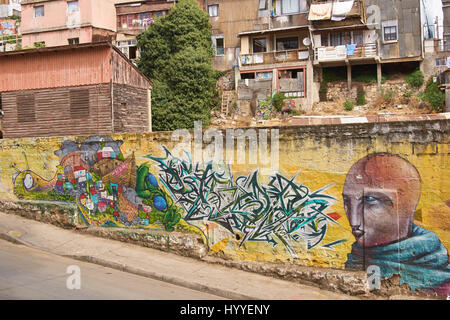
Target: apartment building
[[286, 45], [59, 22], [9, 8], [133, 18]]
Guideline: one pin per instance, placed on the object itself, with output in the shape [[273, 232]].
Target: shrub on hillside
[[433, 95], [348, 105], [415, 79]]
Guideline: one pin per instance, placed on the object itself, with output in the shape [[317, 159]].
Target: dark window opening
[[1, 134], [287, 43], [340, 39], [250, 75], [73, 40], [220, 49], [259, 45], [79, 103], [132, 53], [25, 108], [390, 33]]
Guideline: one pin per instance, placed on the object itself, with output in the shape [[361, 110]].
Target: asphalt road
[[27, 273]]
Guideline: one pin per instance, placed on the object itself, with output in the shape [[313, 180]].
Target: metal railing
[[273, 57], [344, 52]]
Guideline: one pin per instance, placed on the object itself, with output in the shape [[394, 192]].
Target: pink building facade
[[61, 22]]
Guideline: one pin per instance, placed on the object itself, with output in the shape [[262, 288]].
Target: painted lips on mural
[[380, 196]]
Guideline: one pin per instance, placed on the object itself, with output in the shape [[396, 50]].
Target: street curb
[[152, 275], [161, 277]]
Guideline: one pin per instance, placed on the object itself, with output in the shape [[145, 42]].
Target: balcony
[[273, 57], [340, 53]]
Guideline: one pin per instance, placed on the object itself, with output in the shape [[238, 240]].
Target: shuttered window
[[79, 103], [26, 108]]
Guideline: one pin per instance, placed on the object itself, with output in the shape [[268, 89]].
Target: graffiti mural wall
[[345, 203]]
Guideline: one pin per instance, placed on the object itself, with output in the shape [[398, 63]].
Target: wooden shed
[[82, 89]]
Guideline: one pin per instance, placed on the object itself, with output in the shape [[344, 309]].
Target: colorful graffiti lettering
[[279, 212]]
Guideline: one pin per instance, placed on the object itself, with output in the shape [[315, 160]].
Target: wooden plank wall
[[130, 109], [125, 73], [53, 116]]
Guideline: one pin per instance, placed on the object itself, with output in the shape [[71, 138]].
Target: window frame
[[287, 37], [75, 40], [389, 25], [216, 5], [73, 1], [214, 41], [293, 12], [253, 45], [35, 10]]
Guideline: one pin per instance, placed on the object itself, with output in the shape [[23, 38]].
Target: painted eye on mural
[[28, 181], [370, 199]]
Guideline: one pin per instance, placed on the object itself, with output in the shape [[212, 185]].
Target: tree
[[176, 54]]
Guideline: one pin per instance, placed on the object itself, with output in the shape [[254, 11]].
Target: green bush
[[296, 112], [361, 96], [278, 100], [433, 95], [415, 79], [323, 92], [348, 105]]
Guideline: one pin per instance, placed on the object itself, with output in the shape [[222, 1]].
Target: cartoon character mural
[[381, 192]]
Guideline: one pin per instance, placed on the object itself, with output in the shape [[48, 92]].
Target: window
[[73, 40], [390, 30], [213, 10], [340, 38], [262, 5], [25, 108], [39, 44], [390, 33], [79, 103], [292, 82], [287, 43], [358, 38], [72, 6], [132, 53], [38, 11], [218, 44], [290, 6], [259, 45]]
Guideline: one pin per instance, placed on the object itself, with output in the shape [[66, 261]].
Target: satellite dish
[[307, 42]]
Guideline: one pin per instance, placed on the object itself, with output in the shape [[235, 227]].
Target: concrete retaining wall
[[283, 207]]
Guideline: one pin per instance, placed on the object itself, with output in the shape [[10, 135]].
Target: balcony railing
[[345, 52], [274, 57]]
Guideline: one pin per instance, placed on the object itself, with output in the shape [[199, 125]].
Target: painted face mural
[[111, 191], [380, 195]]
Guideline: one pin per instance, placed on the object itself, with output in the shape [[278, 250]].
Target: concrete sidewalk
[[187, 272]]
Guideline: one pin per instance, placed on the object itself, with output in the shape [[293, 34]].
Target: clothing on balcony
[[320, 11], [341, 10]]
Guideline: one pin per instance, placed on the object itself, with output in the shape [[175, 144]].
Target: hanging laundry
[[351, 49], [341, 10], [320, 11]]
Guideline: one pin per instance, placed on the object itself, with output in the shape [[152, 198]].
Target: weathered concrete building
[[74, 89], [60, 22], [285, 45], [9, 8]]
